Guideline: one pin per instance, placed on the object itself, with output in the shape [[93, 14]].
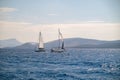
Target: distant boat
[[40, 46], [60, 47]]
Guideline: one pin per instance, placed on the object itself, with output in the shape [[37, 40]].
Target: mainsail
[[41, 44], [40, 47], [61, 42]]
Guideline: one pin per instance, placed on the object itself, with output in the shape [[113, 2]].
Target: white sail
[[41, 44], [40, 47], [61, 42]]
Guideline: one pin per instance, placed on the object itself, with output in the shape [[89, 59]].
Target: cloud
[[9, 24], [52, 14], [17, 30], [96, 21], [27, 32], [5, 9]]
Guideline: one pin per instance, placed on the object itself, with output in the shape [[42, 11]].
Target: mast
[[62, 42], [63, 45], [59, 38], [39, 39]]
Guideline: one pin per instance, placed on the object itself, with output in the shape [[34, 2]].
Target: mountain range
[[9, 43], [86, 43], [69, 43]]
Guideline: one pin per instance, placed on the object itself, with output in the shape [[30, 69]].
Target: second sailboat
[[60, 47]]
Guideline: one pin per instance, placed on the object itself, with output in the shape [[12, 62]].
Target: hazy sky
[[23, 19]]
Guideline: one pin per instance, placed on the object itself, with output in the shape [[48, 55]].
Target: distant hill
[[29, 45], [75, 43], [109, 45], [9, 43]]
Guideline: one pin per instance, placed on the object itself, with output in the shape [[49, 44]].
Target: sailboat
[[60, 47], [40, 47]]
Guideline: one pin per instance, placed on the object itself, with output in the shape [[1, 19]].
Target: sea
[[73, 64]]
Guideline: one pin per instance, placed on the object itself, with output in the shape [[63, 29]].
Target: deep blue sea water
[[74, 64]]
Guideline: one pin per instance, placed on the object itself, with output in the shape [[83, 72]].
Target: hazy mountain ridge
[[9, 43], [74, 43], [28, 45], [86, 43]]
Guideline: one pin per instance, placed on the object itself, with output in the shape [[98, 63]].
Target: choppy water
[[74, 64]]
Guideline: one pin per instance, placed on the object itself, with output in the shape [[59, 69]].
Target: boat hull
[[40, 50], [57, 50]]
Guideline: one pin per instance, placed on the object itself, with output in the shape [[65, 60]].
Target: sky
[[93, 19]]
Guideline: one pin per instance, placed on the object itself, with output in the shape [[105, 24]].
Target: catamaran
[[40, 47], [60, 47]]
